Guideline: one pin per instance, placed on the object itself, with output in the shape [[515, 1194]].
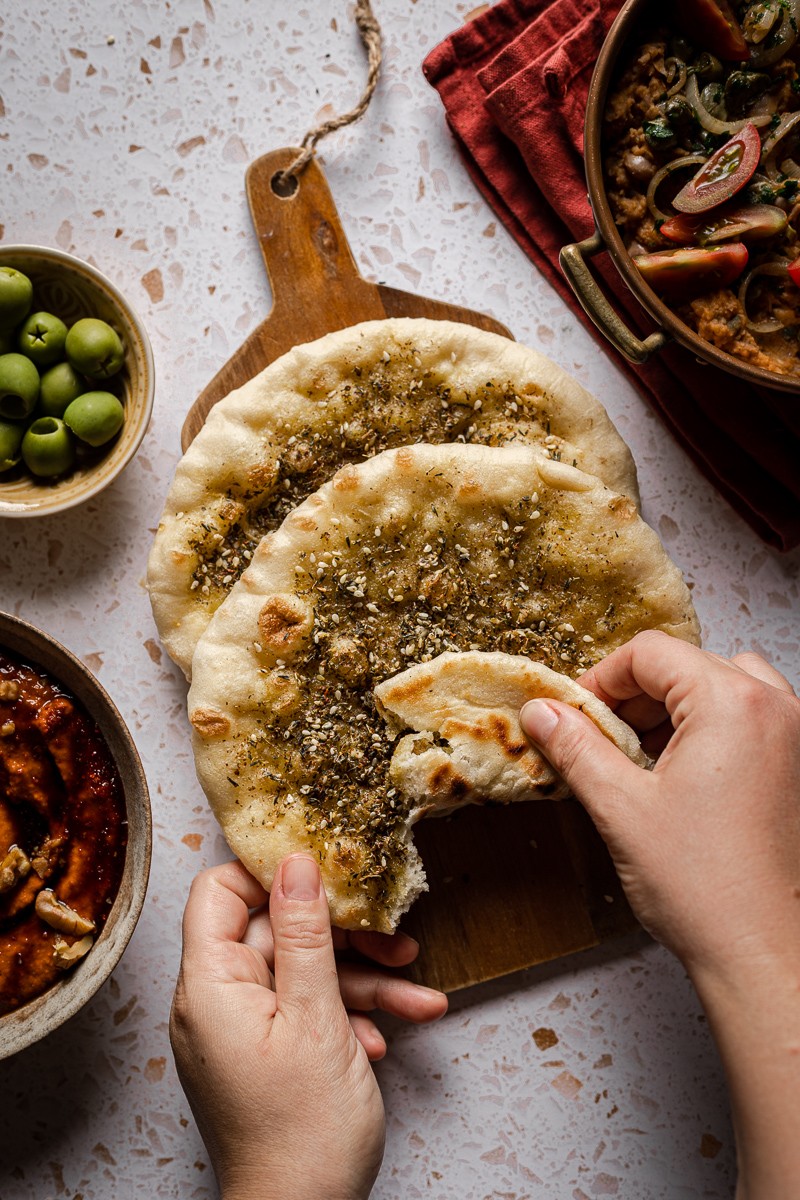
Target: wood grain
[[509, 887], [316, 285]]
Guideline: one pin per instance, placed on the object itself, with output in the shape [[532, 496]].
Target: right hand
[[707, 845]]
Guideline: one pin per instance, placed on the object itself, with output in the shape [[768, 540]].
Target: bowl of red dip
[[75, 835]]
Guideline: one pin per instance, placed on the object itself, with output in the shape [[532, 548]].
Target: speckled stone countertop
[[125, 129]]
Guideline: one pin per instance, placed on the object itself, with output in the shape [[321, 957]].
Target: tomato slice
[[712, 24], [794, 271], [748, 222], [693, 270], [724, 174]]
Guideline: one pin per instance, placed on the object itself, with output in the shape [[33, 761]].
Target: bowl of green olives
[[76, 381]]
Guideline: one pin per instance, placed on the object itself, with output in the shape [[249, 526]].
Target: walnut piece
[[60, 916], [9, 689], [45, 858], [66, 956], [15, 866]]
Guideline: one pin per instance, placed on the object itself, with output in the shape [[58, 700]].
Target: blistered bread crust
[[466, 744], [414, 552], [270, 444]]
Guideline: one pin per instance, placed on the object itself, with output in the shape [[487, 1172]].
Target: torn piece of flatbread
[[396, 559], [467, 746], [270, 444]]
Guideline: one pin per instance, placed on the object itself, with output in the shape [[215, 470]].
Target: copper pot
[[606, 237]]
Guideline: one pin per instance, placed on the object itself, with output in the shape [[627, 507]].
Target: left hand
[[273, 1046]]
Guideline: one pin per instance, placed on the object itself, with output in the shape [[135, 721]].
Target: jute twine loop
[[370, 32]]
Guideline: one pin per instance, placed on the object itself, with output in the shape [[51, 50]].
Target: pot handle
[[595, 305]]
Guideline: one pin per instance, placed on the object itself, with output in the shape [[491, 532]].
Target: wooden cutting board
[[316, 286], [510, 886]]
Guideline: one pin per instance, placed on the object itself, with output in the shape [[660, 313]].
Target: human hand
[[272, 1047], [707, 845]]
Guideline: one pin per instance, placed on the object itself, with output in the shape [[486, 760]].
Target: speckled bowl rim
[[71, 260], [42, 1015]]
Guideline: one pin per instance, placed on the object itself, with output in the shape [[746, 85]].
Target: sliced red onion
[[679, 75], [688, 160], [770, 151], [759, 20], [785, 37], [777, 267], [712, 124]]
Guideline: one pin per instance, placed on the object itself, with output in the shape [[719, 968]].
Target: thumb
[[305, 967], [597, 771]]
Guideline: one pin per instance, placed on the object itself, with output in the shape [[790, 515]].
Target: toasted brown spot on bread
[[547, 789], [471, 489], [308, 524], [209, 723], [622, 507], [262, 475], [445, 780], [230, 511], [347, 479], [497, 728], [408, 691], [348, 659], [282, 622]]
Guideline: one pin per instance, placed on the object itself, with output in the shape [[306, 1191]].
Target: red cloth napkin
[[514, 82]]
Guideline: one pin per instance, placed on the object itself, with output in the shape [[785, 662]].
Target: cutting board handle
[[316, 286], [314, 278]]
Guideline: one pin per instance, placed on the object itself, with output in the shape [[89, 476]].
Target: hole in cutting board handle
[[284, 186]]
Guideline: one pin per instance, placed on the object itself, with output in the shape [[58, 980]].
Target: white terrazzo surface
[[125, 129]]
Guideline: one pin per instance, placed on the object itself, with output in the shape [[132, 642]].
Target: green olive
[[60, 386], [16, 297], [42, 338], [94, 348], [47, 447], [95, 417], [19, 386], [10, 441]]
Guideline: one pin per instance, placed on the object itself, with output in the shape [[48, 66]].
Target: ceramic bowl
[[45, 1013], [73, 289]]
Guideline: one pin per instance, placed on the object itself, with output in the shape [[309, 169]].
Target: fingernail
[[538, 720], [300, 878]]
